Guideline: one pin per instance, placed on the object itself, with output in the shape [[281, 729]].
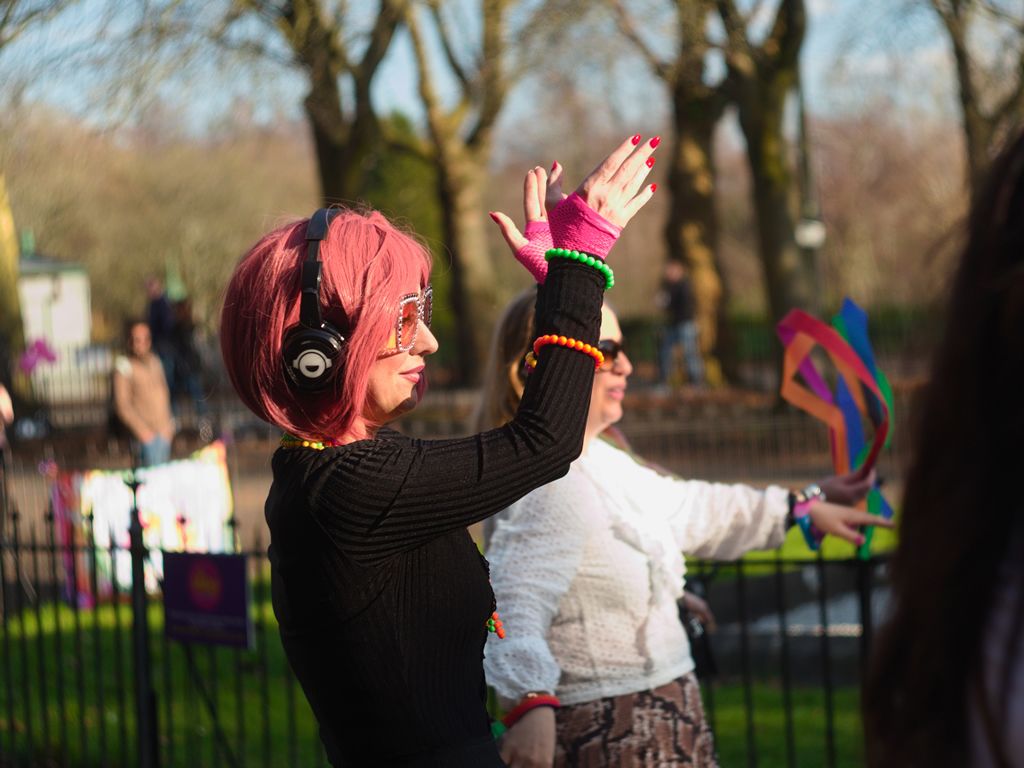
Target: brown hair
[[504, 374]]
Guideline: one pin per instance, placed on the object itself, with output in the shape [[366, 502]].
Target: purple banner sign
[[206, 599]]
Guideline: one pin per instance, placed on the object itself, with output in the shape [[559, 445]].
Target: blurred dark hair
[[128, 326], [960, 525]]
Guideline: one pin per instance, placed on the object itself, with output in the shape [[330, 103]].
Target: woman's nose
[[622, 364], [426, 342]]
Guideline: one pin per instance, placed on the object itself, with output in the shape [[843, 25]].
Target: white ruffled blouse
[[587, 571]]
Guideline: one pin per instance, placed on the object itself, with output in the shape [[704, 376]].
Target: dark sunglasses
[[611, 349]]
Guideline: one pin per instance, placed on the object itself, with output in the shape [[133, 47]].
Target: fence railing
[[788, 654]]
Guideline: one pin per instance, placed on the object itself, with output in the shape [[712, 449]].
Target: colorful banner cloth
[[183, 506], [862, 393]]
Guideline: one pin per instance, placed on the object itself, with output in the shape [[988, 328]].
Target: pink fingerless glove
[[578, 227], [531, 255]]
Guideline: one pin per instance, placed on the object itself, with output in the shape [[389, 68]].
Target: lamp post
[[809, 232]]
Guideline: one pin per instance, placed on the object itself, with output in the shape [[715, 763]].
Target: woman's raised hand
[[615, 189], [592, 217], [530, 245]]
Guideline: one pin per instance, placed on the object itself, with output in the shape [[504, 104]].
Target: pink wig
[[368, 265]]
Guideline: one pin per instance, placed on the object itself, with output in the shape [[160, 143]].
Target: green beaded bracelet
[[584, 258]]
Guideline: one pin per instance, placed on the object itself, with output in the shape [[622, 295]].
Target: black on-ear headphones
[[313, 350]]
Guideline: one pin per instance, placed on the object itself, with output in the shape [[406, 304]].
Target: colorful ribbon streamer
[[862, 393]]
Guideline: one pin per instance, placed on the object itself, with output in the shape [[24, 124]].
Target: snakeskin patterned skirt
[[651, 729]]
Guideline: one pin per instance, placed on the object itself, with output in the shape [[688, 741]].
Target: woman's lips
[[413, 374], [616, 393]]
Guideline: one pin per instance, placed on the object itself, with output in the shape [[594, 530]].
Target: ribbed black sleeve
[[380, 593]]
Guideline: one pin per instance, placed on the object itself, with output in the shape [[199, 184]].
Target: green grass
[[808, 708], [272, 732], [104, 671]]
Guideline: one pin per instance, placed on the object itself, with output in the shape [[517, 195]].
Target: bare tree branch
[[1000, 14], [14, 24], [625, 22], [755, 10], [787, 35], [391, 13], [448, 48], [428, 92], [493, 82], [734, 25], [1013, 102]]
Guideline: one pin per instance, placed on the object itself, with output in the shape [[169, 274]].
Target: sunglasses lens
[[407, 324], [610, 349]]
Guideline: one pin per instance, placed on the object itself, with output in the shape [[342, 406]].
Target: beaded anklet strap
[[562, 341], [584, 258]]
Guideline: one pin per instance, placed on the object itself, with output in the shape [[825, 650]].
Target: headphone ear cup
[[313, 357]]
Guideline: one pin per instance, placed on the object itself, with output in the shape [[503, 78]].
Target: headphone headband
[[312, 268]]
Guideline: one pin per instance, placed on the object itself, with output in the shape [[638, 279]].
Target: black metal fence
[[788, 654]]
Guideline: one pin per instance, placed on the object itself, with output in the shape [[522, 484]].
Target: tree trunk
[[10, 312], [977, 130], [342, 145], [691, 230], [762, 79], [761, 111], [461, 177], [323, 109]]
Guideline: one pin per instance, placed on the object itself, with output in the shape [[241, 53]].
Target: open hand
[[530, 245], [591, 218], [615, 189], [837, 520]]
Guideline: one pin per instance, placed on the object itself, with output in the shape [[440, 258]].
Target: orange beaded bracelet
[[563, 341]]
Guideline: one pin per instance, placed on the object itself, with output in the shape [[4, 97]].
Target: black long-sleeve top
[[381, 595]]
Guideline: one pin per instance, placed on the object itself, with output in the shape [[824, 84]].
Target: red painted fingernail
[[860, 540], [636, 139], [655, 141], [654, 188], [553, 166], [650, 162], [493, 215]]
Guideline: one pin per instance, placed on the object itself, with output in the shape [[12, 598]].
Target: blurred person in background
[[160, 319], [680, 332], [188, 367], [142, 400], [597, 669], [946, 680]]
